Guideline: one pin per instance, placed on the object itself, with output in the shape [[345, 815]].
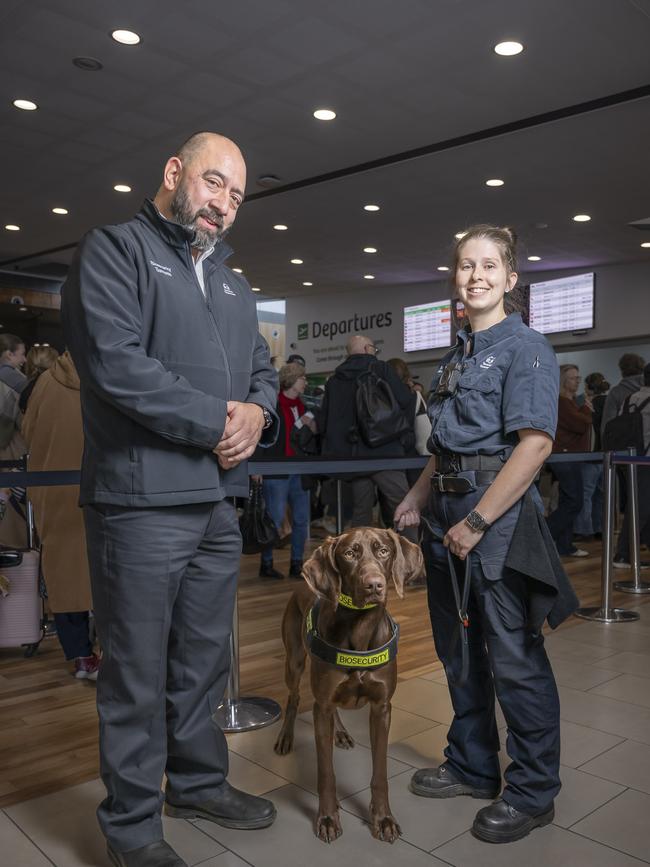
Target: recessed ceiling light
[[11, 227], [296, 261], [87, 64], [443, 268], [371, 207], [494, 182], [255, 289], [646, 244], [508, 49], [122, 188], [125, 37], [23, 309], [582, 218], [307, 283], [534, 258], [59, 210], [238, 270], [280, 227], [25, 104], [368, 276], [369, 249], [459, 235], [324, 114]]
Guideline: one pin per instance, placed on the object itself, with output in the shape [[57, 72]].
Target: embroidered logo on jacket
[[227, 290], [487, 363], [161, 269]]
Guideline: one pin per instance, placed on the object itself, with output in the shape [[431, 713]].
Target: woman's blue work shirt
[[508, 382]]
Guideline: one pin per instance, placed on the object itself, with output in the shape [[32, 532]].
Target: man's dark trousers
[[505, 657], [164, 582]]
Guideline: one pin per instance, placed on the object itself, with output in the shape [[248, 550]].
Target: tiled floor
[[602, 813]]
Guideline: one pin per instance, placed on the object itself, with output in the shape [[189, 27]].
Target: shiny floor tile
[[558, 647], [426, 698], [628, 688], [605, 714], [628, 663], [627, 764], [580, 743], [423, 750], [578, 675], [622, 824], [580, 795], [17, 849]]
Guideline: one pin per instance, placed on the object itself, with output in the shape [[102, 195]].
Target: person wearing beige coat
[[53, 430]]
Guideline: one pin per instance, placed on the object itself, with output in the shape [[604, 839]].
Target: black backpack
[[626, 430], [380, 418]]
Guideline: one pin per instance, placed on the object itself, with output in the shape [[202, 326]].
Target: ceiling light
[[280, 227], [59, 210], [238, 270], [125, 37], [508, 49], [494, 182], [646, 244], [122, 188], [368, 276], [25, 104], [443, 268], [459, 235], [11, 227], [255, 289], [324, 114], [23, 309], [371, 207], [534, 258], [369, 249], [296, 261], [87, 64], [582, 218], [307, 283]]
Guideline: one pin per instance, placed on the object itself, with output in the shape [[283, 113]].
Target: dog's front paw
[[385, 828], [328, 828], [284, 743], [343, 740]]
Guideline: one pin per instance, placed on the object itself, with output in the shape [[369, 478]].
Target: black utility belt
[[449, 463], [453, 484]]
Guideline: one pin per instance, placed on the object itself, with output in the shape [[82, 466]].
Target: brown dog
[[348, 576]]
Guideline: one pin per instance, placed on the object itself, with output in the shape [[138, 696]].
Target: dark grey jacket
[[158, 361]]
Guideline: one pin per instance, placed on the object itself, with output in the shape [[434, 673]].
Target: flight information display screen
[[427, 326], [564, 304]]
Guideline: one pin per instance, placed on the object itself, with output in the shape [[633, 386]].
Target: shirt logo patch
[[161, 269], [488, 362], [536, 362], [227, 290]]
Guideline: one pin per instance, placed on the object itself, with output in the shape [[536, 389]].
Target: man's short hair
[[631, 364], [10, 343]]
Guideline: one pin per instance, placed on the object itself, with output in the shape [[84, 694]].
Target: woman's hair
[[596, 383], [290, 374], [503, 236], [38, 360], [401, 368], [631, 364], [564, 373], [10, 343]]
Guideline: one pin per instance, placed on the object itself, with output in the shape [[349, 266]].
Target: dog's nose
[[374, 585]]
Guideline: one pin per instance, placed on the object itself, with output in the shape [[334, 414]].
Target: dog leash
[[461, 598]]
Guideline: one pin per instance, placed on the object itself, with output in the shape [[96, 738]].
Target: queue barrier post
[[242, 713], [605, 613], [637, 586]]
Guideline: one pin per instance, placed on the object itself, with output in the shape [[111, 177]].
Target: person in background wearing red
[[573, 435]]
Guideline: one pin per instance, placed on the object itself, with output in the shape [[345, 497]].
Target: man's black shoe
[[440, 783], [501, 823], [230, 808], [159, 854], [295, 569], [267, 571]]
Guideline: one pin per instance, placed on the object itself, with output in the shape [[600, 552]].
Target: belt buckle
[[437, 478]]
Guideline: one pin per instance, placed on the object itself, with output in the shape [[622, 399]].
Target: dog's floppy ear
[[408, 562], [321, 574]]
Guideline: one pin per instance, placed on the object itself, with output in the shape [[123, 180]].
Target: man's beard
[[202, 239]]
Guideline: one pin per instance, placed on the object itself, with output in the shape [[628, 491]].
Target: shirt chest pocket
[[478, 398]]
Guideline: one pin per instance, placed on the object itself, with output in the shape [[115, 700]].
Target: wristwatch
[[268, 418], [475, 521]]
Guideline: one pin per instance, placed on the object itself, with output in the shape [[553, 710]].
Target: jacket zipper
[[222, 348]]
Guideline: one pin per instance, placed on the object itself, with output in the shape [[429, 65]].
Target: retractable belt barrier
[[239, 713]]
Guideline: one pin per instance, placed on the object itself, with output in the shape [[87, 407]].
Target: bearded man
[[177, 389]]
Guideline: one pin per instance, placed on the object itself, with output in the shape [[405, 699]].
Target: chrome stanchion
[[637, 586], [605, 613], [242, 713]]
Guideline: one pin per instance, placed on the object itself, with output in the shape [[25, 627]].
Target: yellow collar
[[346, 602]]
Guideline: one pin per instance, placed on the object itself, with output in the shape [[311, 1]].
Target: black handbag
[[258, 530]]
